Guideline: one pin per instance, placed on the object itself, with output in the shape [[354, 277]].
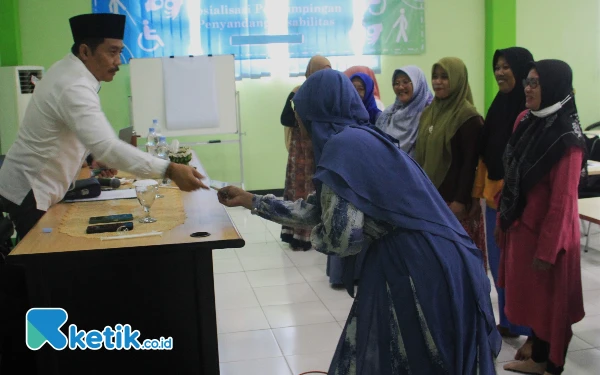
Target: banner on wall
[[158, 28]]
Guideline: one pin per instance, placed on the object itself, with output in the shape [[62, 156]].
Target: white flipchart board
[[199, 97]]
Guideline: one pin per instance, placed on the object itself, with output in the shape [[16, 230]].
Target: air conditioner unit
[[16, 88]]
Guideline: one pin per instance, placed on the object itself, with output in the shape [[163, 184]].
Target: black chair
[[593, 126], [6, 232], [590, 186], [6, 228]]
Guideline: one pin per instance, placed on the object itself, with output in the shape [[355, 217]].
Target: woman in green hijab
[[447, 147]]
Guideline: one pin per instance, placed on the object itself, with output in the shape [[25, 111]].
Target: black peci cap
[[97, 25]]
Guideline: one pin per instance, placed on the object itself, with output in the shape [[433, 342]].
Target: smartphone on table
[[113, 227], [111, 218]]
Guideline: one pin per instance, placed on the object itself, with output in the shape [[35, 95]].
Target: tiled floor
[[277, 315]]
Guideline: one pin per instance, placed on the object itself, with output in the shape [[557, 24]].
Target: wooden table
[[589, 210], [161, 286], [593, 168], [591, 133]]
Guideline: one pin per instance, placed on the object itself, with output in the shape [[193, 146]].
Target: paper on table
[[592, 163], [109, 195], [215, 184]]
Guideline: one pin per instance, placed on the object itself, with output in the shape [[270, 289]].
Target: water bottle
[[162, 151], [151, 141], [156, 127], [162, 148]]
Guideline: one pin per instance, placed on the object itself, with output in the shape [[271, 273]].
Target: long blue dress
[[423, 302], [388, 308]]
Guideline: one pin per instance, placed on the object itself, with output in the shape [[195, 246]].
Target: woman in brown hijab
[[447, 144], [300, 166]]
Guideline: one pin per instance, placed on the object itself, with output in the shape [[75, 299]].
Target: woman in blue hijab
[[365, 87], [423, 303]]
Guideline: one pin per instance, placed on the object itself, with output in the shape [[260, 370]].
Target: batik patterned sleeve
[[339, 228], [340, 231], [298, 214]]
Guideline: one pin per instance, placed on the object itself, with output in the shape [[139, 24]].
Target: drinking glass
[[146, 191]]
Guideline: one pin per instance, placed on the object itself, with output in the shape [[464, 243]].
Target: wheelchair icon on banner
[[149, 34]]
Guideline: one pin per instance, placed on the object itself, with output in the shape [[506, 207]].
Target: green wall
[[500, 32], [10, 38], [569, 31], [453, 28]]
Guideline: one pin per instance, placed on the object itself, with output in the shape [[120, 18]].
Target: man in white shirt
[[64, 122]]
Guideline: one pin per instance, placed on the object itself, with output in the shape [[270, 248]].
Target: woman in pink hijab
[[368, 71]]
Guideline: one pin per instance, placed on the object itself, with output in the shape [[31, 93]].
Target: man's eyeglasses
[[531, 82]]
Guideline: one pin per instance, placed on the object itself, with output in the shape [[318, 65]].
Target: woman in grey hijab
[[401, 119]]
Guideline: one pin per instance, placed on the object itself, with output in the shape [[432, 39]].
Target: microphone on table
[[110, 182]]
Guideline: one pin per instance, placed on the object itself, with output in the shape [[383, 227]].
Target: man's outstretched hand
[[185, 177]]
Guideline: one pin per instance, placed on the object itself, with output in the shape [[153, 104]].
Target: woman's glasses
[[531, 82], [403, 83]]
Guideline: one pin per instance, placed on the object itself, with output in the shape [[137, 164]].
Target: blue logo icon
[[42, 325]]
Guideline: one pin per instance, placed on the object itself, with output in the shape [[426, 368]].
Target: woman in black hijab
[[539, 220], [510, 69]]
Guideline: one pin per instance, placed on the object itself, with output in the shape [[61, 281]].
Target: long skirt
[[423, 307], [475, 228], [298, 184], [494, 259]]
